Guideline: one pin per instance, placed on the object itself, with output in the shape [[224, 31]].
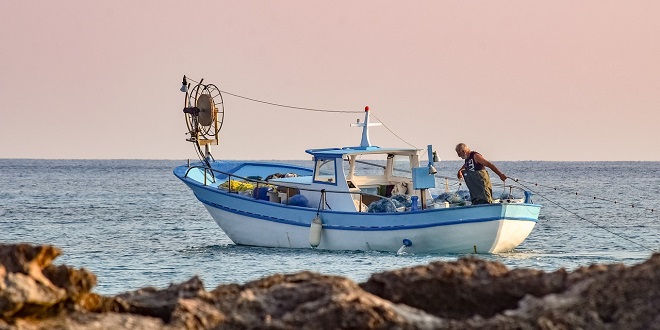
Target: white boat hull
[[492, 236], [489, 228]]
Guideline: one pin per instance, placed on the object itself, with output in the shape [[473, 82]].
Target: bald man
[[475, 174]]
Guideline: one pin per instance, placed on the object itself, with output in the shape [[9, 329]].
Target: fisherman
[[475, 174]]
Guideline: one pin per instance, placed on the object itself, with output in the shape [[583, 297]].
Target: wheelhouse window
[[325, 170], [369, 166], [401, 166]]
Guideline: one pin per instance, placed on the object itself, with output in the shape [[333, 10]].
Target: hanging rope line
[[404, 141], [583, 218], [594, 197], [290, 106], [284, 105], [519, 181], [310, 109]]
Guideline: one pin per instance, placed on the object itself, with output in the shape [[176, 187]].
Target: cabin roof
[[339, 152]]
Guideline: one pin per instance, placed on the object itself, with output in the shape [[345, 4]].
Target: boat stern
[[518, 221]]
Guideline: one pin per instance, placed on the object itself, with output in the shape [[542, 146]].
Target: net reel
[[204, 111]]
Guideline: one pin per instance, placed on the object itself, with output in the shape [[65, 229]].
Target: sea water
[[134, 224]]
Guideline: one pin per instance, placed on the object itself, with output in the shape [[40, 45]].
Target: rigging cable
[[583, 218], [310, 109], [404, 141], [284, 105], [594, 197]]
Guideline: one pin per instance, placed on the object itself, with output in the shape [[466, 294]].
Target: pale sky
[[516, 80]]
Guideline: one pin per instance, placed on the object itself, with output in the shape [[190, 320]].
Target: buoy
[[406, 243], [315, 232]]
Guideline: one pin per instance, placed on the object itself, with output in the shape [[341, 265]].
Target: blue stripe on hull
[[359, 228]]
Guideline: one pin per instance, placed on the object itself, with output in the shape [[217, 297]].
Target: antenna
[[365, 128]]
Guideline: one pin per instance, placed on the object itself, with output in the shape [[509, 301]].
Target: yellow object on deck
[[237, 185]]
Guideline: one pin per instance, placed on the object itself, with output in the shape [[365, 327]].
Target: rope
[[284, 105], [404, 141], [583, 218], [309, 109], [321, 202], [594, 197], [290, 106]]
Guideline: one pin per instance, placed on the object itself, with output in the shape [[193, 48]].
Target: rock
[[28, 260], [186, 306], [76, 282], [89, 321], [311, 300], [466, 294], [468, 287], [480, 294], [24, 290]]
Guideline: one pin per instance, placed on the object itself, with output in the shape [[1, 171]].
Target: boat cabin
[[354, 177], [351, 178]]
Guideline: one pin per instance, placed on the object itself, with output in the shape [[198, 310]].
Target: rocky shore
[[467, 294]]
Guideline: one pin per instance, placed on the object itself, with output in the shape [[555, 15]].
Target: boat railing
[[508, 191], [291, 189], [505, 187], [205, 170]]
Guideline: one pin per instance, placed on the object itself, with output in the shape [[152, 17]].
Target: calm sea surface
[[133, 224]]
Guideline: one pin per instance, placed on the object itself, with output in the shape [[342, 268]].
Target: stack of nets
[[394, 204], [458, 197]]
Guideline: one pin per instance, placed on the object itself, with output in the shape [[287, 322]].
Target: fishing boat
[[336, 204]]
